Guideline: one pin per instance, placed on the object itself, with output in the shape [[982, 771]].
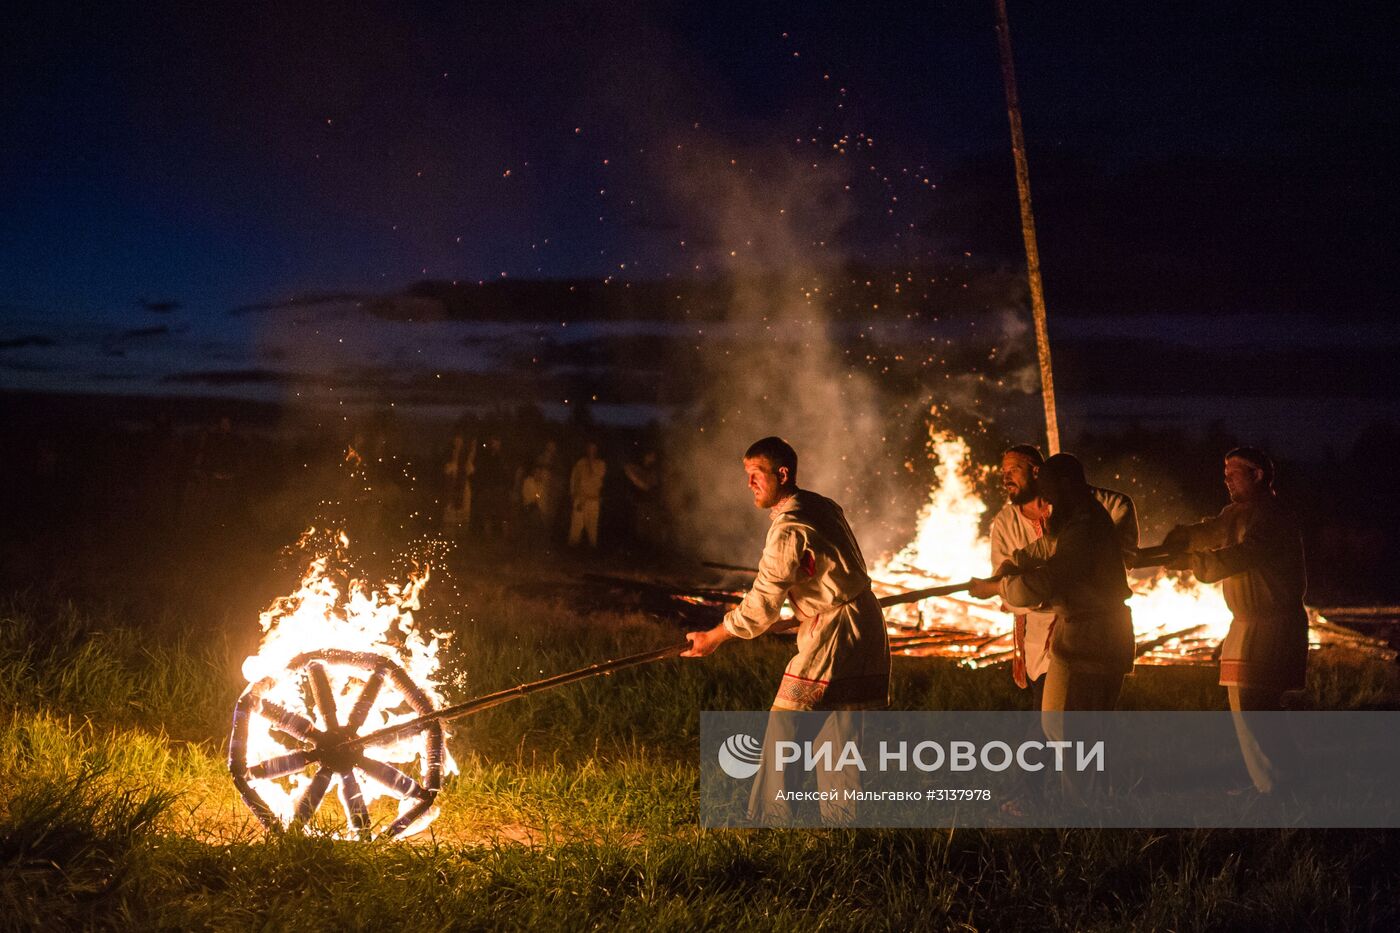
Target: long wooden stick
[[664, 589], [1023, 187], [913, 596], [389, 733], [718, 565]]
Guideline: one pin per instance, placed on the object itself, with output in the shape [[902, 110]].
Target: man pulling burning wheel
[[842, 665]]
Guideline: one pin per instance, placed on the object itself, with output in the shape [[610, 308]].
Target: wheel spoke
[[315, 791], [350, 795], [288, 742], [325, 697], [365, 703], [280, 766], [294, 724], [391, 777]]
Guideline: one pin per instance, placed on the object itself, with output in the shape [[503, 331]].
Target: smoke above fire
[[849, 382], [780, 372], [786, 367]]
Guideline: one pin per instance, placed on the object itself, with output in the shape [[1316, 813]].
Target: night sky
[[1207, 160]]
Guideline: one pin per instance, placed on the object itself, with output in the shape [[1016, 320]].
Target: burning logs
[[1323, 633], [948, 644], [1145, 646], [973, 631]]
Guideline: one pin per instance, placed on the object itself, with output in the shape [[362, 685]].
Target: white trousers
[[584, 522]]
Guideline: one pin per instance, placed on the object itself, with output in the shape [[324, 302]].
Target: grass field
[[577, 808]]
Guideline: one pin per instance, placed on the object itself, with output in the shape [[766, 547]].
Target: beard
[[1024, 495]]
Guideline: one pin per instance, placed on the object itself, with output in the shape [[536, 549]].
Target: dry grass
[[577, 808]]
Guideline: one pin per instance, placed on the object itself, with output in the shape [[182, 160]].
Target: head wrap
[[1255, 458]]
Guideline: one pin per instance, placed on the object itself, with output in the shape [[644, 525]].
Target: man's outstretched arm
[[762, 605]]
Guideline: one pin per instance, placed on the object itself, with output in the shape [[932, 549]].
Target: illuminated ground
[[578, 807]]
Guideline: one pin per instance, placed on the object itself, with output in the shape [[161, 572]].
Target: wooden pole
[[390, 733], [1023, 186]]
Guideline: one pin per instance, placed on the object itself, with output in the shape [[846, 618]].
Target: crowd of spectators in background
[[538, 499], [155, 488], [133, 482]]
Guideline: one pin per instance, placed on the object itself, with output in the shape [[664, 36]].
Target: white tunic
[[812, 558], [586, 480], [1011, 532]]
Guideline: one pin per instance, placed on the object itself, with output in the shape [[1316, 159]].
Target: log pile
[[1191, 645]]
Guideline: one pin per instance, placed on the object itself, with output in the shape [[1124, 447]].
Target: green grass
[[577, 807]]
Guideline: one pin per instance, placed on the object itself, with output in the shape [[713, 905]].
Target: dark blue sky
[[1228, 153]]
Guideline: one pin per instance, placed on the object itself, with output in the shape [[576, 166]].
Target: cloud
[[115, 344], [27, 340], [226, 377], [307, 300], [140, 333], [17, 366]]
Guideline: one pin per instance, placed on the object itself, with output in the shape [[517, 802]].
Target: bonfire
[[1177, 619]]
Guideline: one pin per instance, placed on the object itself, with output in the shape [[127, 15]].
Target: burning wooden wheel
[[285, 745], [284, 759]]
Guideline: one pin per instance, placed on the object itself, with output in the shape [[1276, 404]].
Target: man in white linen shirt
[[842, 663]]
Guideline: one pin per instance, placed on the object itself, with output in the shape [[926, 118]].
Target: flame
[[1184, 617], [1179, 617], [332, 609], [947, 547]]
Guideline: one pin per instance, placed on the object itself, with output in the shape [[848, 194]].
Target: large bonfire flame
[[1177, 619], [332, 609]]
